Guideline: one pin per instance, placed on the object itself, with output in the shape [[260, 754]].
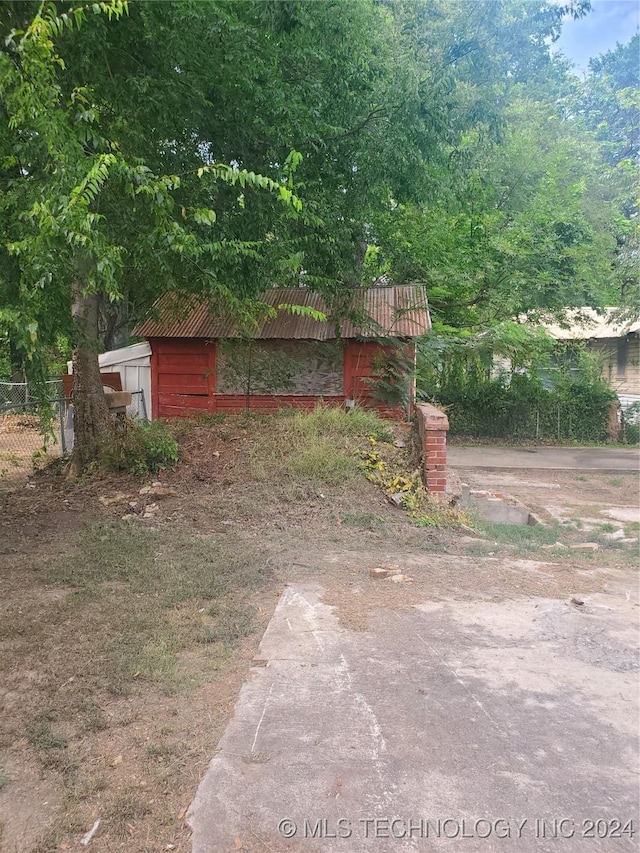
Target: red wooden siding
[[359, 358], [358, 368], [183, 377]]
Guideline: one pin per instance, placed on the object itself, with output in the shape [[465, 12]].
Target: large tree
[[439, 140], [519, 215], [608, 102], [98, 194]]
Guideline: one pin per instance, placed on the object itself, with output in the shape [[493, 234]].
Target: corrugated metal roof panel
[[394, 311], [581, 324]]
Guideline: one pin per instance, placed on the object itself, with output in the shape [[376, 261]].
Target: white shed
[[134, 365]]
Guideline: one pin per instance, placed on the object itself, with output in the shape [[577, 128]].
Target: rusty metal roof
[[392, 311]]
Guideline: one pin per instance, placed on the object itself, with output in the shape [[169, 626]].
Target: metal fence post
[[63, 443]]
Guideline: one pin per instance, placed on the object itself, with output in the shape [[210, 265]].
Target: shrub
[[520, 407], [141, 448], [340, 423]]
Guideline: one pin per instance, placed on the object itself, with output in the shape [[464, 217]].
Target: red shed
[[201, 361]]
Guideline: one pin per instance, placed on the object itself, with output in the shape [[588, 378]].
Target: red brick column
[[432, 427]]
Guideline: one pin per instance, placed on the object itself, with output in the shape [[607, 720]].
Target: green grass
[[616, 481], [134, 596], [366, 520], [524, 538], [41, 736], [123, 809], [320, 461], [341, 423], [315, 447]]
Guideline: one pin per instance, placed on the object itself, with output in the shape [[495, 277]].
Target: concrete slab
[[487, 725], [503, 509], [578, 458], [622, 513]]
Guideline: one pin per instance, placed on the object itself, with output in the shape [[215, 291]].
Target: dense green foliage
[[140, 448], [522, 408], [514, 381], [155, 147]]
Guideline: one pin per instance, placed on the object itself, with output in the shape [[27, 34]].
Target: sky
[[609, 21]]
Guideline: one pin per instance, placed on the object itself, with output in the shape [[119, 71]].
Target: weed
[[209, 419], [141, 448], [607, 527], [367, 520], [606, 543], [616, 481], [333, 420], [160, 751], [41, 736], [231, 622], [421, 506], [523, 537], [321, 461], [315, 447], [122, 810]]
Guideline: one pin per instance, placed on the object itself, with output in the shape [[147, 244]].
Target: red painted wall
[[359, 358], [183, 381]]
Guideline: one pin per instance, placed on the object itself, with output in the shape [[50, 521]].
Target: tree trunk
[[17, 368], [90, 414]]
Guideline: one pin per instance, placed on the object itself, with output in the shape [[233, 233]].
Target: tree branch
[[376, 112]]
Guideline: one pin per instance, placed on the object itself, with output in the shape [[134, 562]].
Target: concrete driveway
[[454, 725], [568, 458]]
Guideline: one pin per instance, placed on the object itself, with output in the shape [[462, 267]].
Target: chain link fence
[[18, 393], [30, 432], [556, 423], [552, 422], [35, 432]]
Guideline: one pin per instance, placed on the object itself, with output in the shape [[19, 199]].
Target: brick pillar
[[432, 427]]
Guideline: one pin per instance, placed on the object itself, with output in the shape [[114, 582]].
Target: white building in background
[[134, 365], [615, 341]]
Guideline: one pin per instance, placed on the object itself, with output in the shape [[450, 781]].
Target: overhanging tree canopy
[[439, 141]]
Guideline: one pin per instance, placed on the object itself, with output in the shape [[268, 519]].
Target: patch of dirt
[[132, 752], [539, 488], [32, 802]]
